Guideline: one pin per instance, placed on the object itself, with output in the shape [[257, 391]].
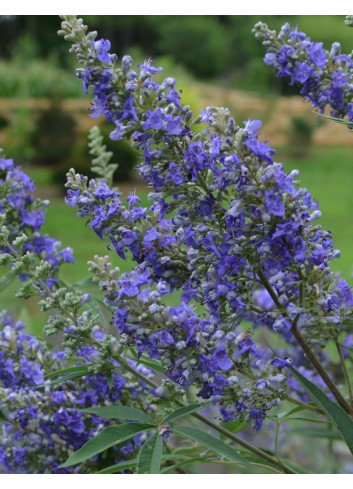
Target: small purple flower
[[270, 59], [154, 120], [6, 164], [222, 359], [103, 192], [118, 132], [146, 68], [128, 111], [172, 125], [338, 79], [252, 126], [316, 54], [302, 72], [126, 62], [274, 203], [174, 173], [101, 48]]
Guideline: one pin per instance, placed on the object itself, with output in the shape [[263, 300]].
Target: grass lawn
[[326, 172]]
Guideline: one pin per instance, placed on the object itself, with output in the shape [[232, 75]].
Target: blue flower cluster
[[41, 424], [324, 77], [227, 227], [25, 215]]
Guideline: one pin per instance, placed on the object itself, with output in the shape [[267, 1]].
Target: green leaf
[[335, 119], [109, 377], [110, 436], [183, 411], [94, 305], [72, 376], [236, 425], [85, 282], [148, 362], [6, 280], [341, 419], [314, 433], [308, 420], [68, 370], [209, 441], [184, 462], [149, 459], [3, 417], [119, 412], [112, 469], [296, 410]]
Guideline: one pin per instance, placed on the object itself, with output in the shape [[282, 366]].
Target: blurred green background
[[44, 113]]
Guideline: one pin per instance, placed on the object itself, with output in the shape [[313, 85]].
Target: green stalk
[[213, 425]]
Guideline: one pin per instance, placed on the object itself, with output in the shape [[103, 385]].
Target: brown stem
[[307, 350], [320, 370]]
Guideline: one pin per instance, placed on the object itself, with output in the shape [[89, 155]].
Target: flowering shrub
[[229, 231]]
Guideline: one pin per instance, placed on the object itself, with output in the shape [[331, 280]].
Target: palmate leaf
[[149, 459], [183, 411], [110, 436], [211, 442], [119, 412], [341, 419]]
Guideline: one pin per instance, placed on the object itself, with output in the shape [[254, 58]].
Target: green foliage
[[100, 163], [150, 455], [341, 419], [184, 411], [110, 436], [119, 412], [186, 37], [211, 442], [300, 136]]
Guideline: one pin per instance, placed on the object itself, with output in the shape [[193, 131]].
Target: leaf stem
[[320, 369], [307, 350], [345, 373], [213, 425]]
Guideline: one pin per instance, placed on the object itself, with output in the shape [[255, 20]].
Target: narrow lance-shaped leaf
[[119, 412], [315, 433], [185, 462], [147, 361], [72, 376], [211, 442], [335, 119], [149, 459], [68, 370], [113, 469], [110, 436], [341, 419], [183, 411]]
